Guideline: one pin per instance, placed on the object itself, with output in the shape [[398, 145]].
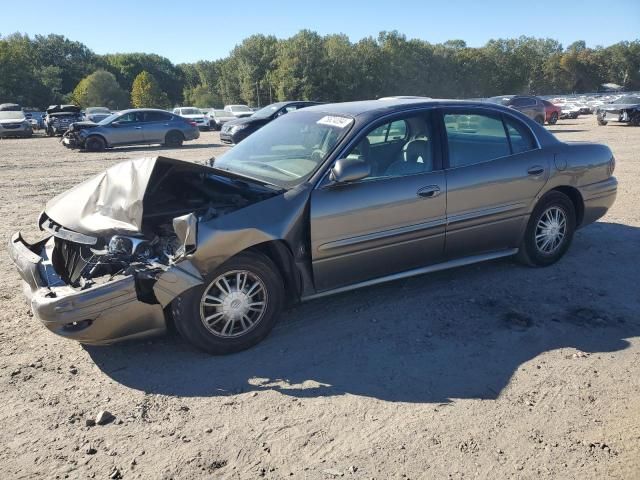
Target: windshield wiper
[[266, 166]]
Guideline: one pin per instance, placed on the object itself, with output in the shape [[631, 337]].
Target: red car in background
[[552, 112]]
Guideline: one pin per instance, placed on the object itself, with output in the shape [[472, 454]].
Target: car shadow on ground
[[143, 148], [560, 130], [456, 334]]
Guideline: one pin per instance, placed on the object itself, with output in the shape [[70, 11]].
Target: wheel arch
[[174, 130], [104, 139], [576, 198], [280, 253]]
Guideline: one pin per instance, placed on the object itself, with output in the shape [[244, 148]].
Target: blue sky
[[190, 31]]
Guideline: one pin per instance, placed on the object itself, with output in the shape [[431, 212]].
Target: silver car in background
[[14, 124], [143, 126]]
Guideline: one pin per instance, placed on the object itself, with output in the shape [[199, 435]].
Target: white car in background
[[195, 114], [238, 111], [569, 110], [217, 118]]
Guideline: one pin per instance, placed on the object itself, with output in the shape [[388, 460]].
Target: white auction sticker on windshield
[[334, 121]]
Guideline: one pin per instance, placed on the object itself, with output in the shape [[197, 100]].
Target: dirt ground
[[488, 371]]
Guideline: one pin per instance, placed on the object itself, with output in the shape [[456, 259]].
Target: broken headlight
[[130, 247]]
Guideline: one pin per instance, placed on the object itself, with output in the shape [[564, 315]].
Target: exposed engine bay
[[138, 218]]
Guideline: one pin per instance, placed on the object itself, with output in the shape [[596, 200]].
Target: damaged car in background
[[625, 109], [58, 118], [322, 200], [138, 126]]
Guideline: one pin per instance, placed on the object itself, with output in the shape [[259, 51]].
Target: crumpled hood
[[619, 106], [111, 200]]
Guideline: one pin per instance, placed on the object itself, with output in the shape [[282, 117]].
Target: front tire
[[549, 232], [94, 144], [602, 122], [234, 309]]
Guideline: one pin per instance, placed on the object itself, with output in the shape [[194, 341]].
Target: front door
[[127, 129], [389, 222], [495, 171]]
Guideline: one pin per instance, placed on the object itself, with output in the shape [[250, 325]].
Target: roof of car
[[389, 105], [142, 110]]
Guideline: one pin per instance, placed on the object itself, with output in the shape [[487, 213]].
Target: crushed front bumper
[[101, 314]]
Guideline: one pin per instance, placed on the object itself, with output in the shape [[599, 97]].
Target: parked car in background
[[60, 117], [625, 109], [552, 112], [132, 127], [569, 110], [14, 123], [239, 111], [318, 202], [532, 107], [36, 119], [217, 118], [194, 114], [96, 114], [236, 130]]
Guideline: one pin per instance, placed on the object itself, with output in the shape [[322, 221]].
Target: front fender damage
[[174, 281]]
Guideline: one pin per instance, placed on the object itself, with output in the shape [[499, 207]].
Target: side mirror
[[115, 124], [349, 170]]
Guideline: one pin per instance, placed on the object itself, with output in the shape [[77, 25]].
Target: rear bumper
[[598, 199], [97, 315], [192, 134]]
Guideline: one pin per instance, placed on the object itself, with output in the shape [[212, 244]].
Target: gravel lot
[[488, 371]]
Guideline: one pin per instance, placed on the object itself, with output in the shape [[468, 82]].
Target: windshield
[[109, 119], [8, 115], [500, 100], [221, 113], [268, 110], [628, 99], [190, 111], [240, 108], [287, 152], [92, 110]]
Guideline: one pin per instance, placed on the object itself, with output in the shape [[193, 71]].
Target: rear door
[[494, 172], [389, 222], [156, 126]]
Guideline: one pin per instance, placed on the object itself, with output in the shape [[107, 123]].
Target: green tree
[[146, 92], [100, 89], [127, 66]]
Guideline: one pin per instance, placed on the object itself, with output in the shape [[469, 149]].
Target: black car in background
[[237, 130], [532, 107]]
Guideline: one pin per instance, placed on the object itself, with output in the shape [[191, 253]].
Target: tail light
[[191, 122], [612, 165]]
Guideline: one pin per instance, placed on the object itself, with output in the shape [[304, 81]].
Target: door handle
[[535, 170], [429, 191], [138, 128]]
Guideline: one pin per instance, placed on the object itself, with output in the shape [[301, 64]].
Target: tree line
[[51, 69]]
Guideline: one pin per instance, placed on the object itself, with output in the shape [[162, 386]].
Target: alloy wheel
[[551, 230], [233, 304]]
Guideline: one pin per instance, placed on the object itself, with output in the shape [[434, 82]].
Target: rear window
[[520, 136], [475, 138]]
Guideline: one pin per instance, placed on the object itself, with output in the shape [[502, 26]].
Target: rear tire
[[227, 314], [540, 120], [602, 122], [554, 118], [94, 144], [549, 232], [174, 139]]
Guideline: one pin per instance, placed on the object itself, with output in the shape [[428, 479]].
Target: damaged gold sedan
[[322, 200]]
